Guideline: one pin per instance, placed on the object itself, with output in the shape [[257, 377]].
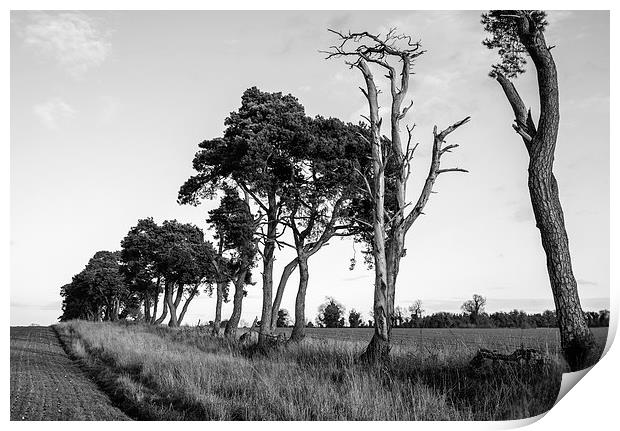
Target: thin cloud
[[53, 112], [73, 39], [357, 277], [48, 306]]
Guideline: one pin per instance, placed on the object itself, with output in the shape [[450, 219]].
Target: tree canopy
[[98, 292], [331, 314], [504, 36]]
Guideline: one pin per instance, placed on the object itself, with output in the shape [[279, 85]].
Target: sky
[[108, 108]]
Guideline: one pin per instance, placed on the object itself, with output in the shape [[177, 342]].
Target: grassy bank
[[159, 373]]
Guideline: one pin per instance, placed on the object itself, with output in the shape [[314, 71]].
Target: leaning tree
[[394, 55], [515, 34]]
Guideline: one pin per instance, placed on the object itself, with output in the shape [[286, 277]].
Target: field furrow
[[47, 385]]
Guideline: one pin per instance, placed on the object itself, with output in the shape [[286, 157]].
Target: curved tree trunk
[[155, 306], [173, 323], [299, 330], [286, 273], [164, 312], [268, 258], [576, 338], [577, 342], [186, 304], [233, 322], [155, 301], [179, 296], [217, 321]]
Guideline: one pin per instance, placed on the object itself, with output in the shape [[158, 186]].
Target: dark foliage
[[331, 314], [99, 291], [500, 319], [283, 319], [502, 26], [355, 320]]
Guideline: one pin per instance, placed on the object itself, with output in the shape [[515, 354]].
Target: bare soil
[[47, 385]]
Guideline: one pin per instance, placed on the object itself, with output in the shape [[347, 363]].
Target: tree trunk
[[577, 342], [233, 322], [186, 304], [389, 235], [217, 322], [113, 310], [286, 273], [147, 308], [173, 323], [576, 338], [155, 306], [299, 330], [155, 300], [379, 345], [179, 296], [268, 258], [164, 312]]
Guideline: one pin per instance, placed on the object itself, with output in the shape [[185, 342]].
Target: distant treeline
[[500, 319], [332, 315]]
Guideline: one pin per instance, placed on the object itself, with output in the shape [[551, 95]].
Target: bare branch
[[368, 188], [251, 193], [434, 171], [364, 92], [450, 129], [265, 239], [374, 49], [448, 148], [405, 110], [521, 131], [523, 116], [365, 223], [441, 171]]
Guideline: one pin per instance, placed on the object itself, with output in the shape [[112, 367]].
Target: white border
[[591, 404]]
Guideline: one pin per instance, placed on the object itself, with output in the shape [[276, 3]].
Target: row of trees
[[284, 179], [332, 314], [295, 174], [172, 261], [169, 264]]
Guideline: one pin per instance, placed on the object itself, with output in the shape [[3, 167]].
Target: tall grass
[[160, 373]]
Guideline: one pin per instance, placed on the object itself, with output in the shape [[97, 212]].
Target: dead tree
[[517, 33], [390, 228]]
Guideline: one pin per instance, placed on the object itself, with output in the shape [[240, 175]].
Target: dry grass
[[158, 373]]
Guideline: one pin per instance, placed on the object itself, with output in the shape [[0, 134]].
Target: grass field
[[508, 339], [160, 373]]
